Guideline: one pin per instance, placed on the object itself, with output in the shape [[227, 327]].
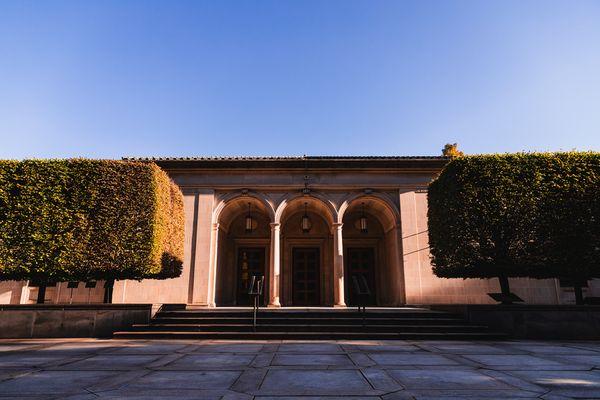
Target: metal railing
[[255, 290], [362, 291]]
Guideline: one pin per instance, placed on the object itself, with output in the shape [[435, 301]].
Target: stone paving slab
[[469, 349], [52, 382], [317, 397], [229, 348], [212, 360], [202, 380], [551, 349], [312, 359], [311, 382], [310, 348], [28, 360], [374, 348], [519, 362], [152, 348], [111, 362], [86, 369], [411, 359], [581, 384], [588, 361]]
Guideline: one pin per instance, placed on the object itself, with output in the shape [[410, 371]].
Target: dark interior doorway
[[360, 262], [305, 276], [251, 262]]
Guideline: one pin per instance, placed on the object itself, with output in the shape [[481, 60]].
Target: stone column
[[399, 291], [274, 266], [338, 266], [214, 259], [199, 204]]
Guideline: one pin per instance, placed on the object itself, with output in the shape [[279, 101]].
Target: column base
[[274, 305], [340, 306]]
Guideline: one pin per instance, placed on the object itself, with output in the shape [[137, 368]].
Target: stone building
[[310, 226]]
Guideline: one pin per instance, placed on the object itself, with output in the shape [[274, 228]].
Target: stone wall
[[48, 321], [544, 322]]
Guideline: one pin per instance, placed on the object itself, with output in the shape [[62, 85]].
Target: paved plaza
[[87, 369]]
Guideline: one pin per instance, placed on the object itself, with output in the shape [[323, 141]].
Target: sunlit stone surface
[[116, 369]]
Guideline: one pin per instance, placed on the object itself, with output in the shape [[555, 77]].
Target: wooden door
[[251, 262], [305, 276], [360, 262]]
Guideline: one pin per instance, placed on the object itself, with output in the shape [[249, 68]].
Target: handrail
[[255, 289], [361, 288]]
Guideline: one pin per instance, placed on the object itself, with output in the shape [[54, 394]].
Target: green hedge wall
[[83, 219], [516, 215]]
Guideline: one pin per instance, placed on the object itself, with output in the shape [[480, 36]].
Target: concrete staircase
[[189, 322]]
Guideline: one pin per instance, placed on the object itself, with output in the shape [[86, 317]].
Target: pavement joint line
[[91, 392], [144, 372]]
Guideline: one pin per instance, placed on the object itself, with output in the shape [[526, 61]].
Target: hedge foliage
[[82, 220], [517, 215]]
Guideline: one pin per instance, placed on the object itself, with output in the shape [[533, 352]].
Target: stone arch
[[377, 252], [235, 249], [316, 200], [235, 198], [380, 205], [318, 241]]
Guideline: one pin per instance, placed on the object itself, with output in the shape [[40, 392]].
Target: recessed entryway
[[360, 265], [251, 262], [305, 276]]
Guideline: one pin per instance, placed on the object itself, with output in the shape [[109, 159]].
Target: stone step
[[335, 310], [307, 320], [174, 335], [286, 315], [175, 321], [307, 328]]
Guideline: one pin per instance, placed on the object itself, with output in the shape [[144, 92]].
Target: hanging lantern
[[249, 221], [306, 224], [363, 221]]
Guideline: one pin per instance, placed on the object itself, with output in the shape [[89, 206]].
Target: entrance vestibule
[[307, 256]]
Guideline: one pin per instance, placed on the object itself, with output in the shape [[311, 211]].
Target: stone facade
[[301, 268]]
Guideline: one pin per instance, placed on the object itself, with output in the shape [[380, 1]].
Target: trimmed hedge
[[517, 215], [570, 219], [80, 220]]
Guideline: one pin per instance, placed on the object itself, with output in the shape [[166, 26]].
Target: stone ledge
[[66, 307], [69, 320], [531, 321]]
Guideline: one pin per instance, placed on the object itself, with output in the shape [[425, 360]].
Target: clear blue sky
[[175, 78]]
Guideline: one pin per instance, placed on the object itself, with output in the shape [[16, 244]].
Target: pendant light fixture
[[363, 221], [249, 221], [306, 224]]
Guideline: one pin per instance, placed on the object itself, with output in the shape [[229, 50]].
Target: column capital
[[336, 228], [275, 225], [215, 226]]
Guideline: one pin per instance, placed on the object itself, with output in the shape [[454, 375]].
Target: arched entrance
[[306, 251], [243, 250], [372, 256]]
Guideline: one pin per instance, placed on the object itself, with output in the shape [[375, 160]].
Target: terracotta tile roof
[[283, 158], [430, 163]]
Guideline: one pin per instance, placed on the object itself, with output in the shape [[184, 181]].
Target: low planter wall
[[568, 322], [69, 320]]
